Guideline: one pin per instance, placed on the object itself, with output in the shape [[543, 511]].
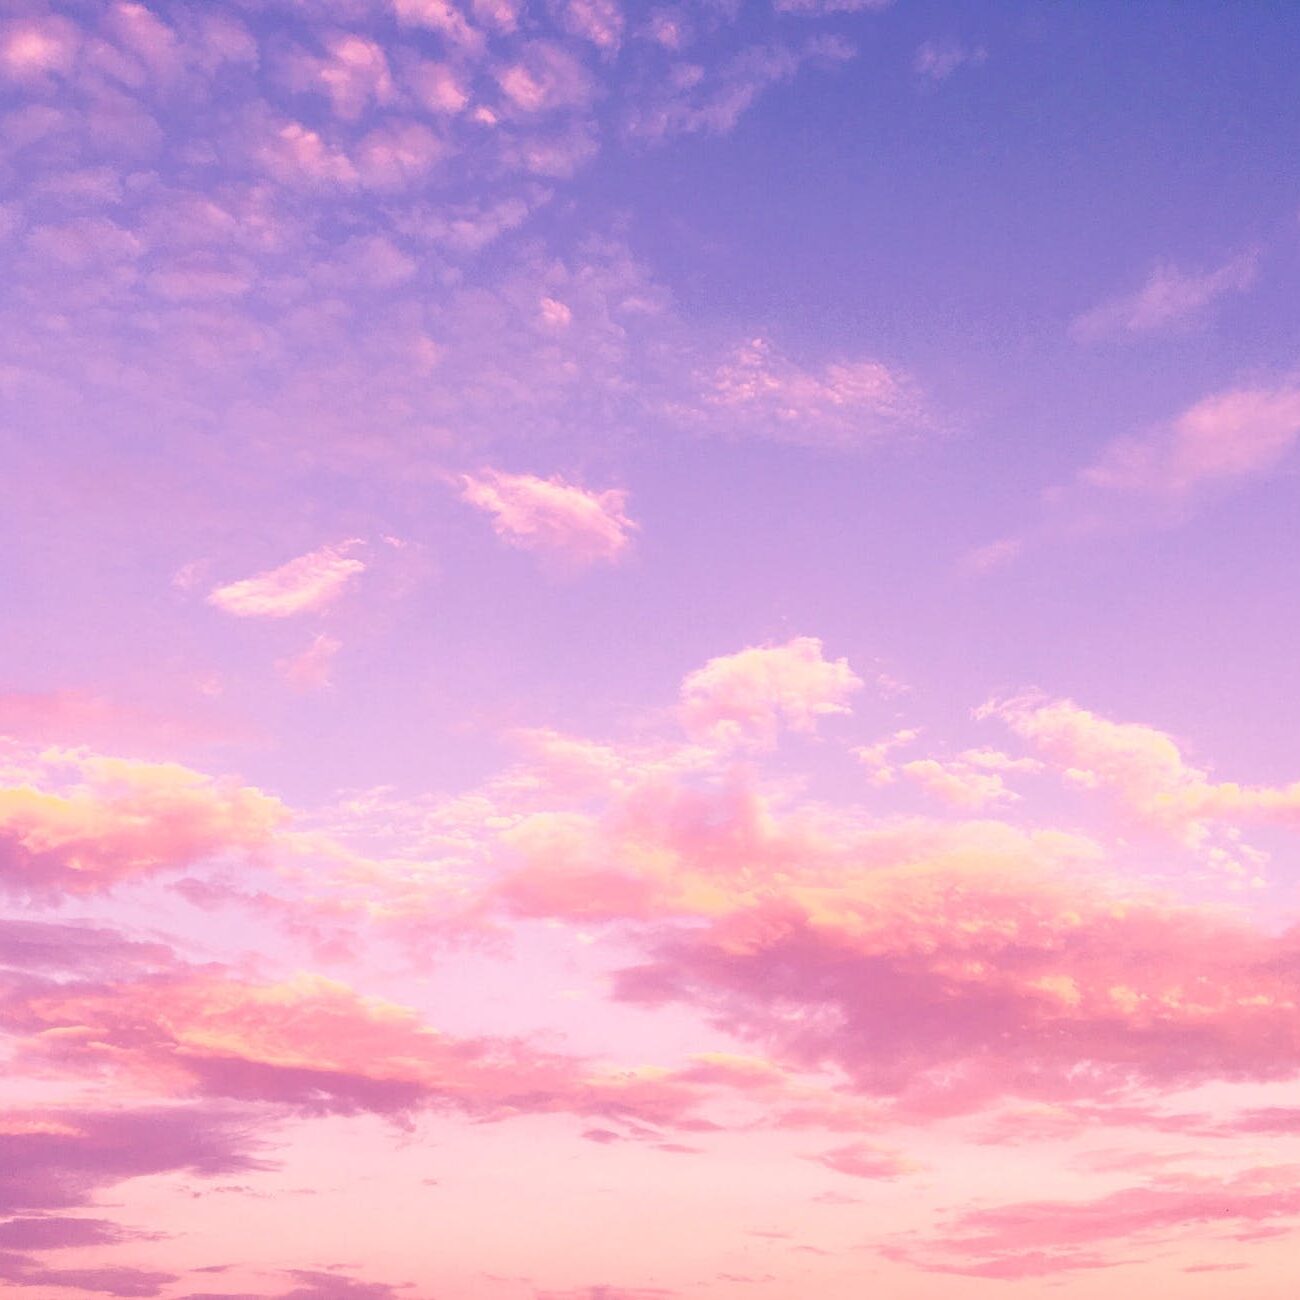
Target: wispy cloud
[[1169, 300], [936, 61], [310, 669], [300, 586], [756, 391], [1228, 436]]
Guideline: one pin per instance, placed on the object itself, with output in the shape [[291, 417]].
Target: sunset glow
[[650, 649]]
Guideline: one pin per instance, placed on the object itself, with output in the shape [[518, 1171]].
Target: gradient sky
[[650, 649]]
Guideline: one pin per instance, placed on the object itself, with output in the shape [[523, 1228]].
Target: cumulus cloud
[[1142, 768], [940, 966], [750, 694], [958, 977], [552, 516], [310, 582], [972, 780], [75, 822]]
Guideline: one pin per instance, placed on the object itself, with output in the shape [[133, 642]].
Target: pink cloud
[[971, 781], [398, 153], [441, 16], [598, 21], [501, 15], [751, 693], [942, 966], [948, 984], [310, 670], [1142, 768], [544, 78], [76, 822], [294, 154], [31, 48], [353, 73], [862, 1160], [1227, 436], [308, 1044], [308, 583], [55, 1158], [1038, 1238], [439, 87], [758, 392], [552, 516], [1169, 298]]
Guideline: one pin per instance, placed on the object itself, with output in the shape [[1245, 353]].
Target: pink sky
[[651, 650]]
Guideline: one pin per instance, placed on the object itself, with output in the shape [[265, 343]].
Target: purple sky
[[650, 649]]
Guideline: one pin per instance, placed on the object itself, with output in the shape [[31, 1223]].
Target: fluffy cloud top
[[750, 694], [77, 823]]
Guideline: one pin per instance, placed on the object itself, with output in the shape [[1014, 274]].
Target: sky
[[649, 649]]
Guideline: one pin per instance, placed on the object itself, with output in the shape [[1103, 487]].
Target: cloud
[[76, 822], [544, 78], [90, 952], [310, 669], [1224, 437], [862, 1160], [992, 555], [820, 8], [940, 966], [353, 73], [876, 757], [750, 694], [598, 21], [972, 780], [552, 516], [605, 1292], [307, 1045], [1170, 299], [315, 1285], [757, 392], [308, 583], [59, 1158], [936, 61], [1141, 768], [1221, 441], [51, 1232], [1041, 1238], [27, 1271], [34, 47], [692, 99]]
